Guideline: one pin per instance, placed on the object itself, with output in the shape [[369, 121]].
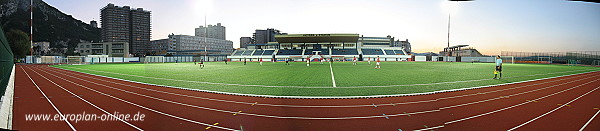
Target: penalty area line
[[332, 77]]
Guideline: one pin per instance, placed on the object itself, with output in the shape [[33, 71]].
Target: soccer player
[[201, 63], [369, 60], [377, 65], [244, 60], [498, 68], [225, 61], [322, 59], [354, 61], [260, 61], [287, 61], [307, 62], [194, 61]]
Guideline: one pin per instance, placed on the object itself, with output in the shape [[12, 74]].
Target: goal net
[[154, 59], [76, 60], [596, 63]]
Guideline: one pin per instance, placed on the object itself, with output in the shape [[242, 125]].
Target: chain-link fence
[[571, 57]]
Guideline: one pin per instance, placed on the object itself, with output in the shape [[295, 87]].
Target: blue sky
[[490, 26]]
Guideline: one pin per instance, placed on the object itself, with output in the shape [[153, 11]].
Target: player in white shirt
[[498, 68], [377, 65]]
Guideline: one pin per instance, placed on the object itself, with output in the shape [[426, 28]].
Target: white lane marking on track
[[521, 93], [514, 128], [49, 101], [349, 105], [506, 108], [296, 117], [430, 128], [250, 114], [228, 84], [150, 109], [588, 122], [137, 128], [332, 77], [513, 106], [424, 101]]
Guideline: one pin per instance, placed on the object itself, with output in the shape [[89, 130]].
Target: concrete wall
[[6, 108]]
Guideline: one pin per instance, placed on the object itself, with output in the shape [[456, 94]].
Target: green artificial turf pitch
[[297, 79]]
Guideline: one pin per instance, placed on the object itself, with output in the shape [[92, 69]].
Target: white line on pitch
[[86, 101], [588, 122], [49, 101], [332, 77], [239, 102], [552, 110]]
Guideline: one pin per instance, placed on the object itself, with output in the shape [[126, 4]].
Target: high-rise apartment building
[[265, 36], [245, 41], [214, 31], [125, 24]]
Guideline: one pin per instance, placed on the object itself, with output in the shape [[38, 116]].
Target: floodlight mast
[[448, 47], [31, 29], [205, 36]]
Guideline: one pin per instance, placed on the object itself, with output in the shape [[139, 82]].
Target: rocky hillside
[[49, 24]]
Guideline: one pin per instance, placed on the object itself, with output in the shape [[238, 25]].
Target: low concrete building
[[112, 49], [41, 48]]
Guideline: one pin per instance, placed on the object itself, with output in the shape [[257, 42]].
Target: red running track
[[563, 103]]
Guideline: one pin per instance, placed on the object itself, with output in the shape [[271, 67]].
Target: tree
[[19, 42]]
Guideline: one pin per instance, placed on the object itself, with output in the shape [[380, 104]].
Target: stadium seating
[[257, 52], [289, 52], [238, 53], [268, 52], [399, 52], [344, 52], [372, 52], [247, 53], [389, 52]]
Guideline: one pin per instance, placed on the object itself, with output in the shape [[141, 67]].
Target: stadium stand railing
[[258, 52]]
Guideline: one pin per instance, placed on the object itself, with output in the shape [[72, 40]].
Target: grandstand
[[299, 47], [372, 52]]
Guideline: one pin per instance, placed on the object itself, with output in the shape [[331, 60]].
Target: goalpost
[[508, 59], [154, 59], [596, 63], [545, 60], [76, 60]]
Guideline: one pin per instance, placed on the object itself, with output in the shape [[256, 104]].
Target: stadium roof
[[456, 46], [316, 38]]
